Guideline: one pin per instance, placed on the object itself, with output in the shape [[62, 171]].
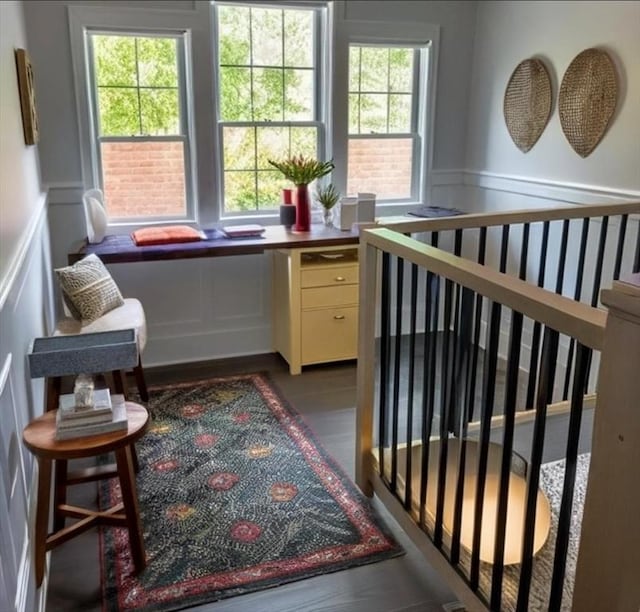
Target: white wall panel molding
[[446, 188], [24, 247], [447, 177], [24, 574], [201, 308], [444, 192], [205, 346], [175, 294], [569, 193], [246, 299], [65, 193], [12, 492]]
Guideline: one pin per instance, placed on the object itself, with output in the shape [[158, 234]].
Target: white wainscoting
[[202, 309], [447, 188], [10, 493], [25, 313]]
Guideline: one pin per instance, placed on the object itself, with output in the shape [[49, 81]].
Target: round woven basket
[[587, 101], [527, 103]]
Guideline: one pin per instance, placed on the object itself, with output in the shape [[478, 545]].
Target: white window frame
[[422, 36], [417, 128], [149, 22], [182, 137], [322, 106]]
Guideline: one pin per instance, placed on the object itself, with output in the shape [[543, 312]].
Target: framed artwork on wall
[[27, 97]]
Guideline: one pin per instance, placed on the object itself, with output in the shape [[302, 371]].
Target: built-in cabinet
[[315, 305]]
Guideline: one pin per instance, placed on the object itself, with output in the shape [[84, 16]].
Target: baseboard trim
[[26, 569], [23, 578]]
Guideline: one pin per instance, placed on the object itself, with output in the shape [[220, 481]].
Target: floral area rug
[[235, 496]]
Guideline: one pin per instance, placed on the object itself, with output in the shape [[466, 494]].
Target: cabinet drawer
[[323, 297], [325, 277], [329, 334]]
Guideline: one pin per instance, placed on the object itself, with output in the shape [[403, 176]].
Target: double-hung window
[[386, 121], [270, 97], [140, 124]]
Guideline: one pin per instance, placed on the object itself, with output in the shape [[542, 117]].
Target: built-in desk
[[315, 283], [122, 249]]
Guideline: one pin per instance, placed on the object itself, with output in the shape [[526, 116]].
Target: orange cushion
[[166, 235]]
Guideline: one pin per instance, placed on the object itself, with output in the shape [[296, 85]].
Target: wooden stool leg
[[141, 382], [54, 386], [119, 382], [59, 493], [134, 459], [42, 516], [127, 478]]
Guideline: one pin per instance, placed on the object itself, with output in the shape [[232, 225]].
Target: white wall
[[25, 313], [200, 309], [19, 183], [555, 32]]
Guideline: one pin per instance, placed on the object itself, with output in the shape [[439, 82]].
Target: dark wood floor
[[325, 396]]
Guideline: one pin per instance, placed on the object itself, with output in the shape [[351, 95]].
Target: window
[[269, 102], [385, 143], [141, 149]]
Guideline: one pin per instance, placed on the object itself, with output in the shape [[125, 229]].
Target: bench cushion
[[129, 315]]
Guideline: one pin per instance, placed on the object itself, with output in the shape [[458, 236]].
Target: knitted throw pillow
[[88, 289]]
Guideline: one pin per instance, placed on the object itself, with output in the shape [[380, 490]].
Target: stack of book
[[107, 414]]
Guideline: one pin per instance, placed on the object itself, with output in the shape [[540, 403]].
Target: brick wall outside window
[[143, 178], [147, 178], [380, 166]]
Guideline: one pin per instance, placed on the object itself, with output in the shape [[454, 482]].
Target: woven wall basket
[[588, 96], [527, 103]]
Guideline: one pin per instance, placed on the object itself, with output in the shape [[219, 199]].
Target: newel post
[[608, 570], [368, 259]]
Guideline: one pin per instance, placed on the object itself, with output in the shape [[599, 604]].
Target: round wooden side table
[[39, 438]]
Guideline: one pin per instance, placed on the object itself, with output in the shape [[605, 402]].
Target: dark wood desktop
[[122, 249]]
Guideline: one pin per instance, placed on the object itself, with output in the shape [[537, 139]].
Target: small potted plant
[[327, 197], [301, 171]]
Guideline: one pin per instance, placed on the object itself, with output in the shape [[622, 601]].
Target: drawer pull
[[340, 278], [338, 317]]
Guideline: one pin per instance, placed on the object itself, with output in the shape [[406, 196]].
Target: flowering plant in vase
[[301, 171]]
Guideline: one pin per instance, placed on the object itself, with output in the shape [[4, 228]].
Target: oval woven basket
[[527, 103], [587, 101]]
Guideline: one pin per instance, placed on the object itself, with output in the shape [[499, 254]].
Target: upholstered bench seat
[[128, 316]]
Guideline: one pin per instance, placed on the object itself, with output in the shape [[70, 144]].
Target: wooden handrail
[[476, 220], [567, 316]]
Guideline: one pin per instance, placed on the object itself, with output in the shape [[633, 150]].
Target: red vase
[[303, 212]]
